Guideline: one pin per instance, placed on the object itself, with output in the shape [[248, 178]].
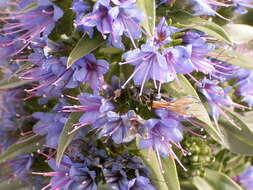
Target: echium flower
[[191, 56], [218, 99], [206, 7], [80, 8], [241, 5], [116, 178], [51, 124], [51, 74], [26, 26], [69, 175], [94, 106], [163, 33], [20, 165], [121, 128], [245, 86], [114, 17], [149, 64], [126, 18], [99, 18], [245, 179], [140, 183], [91, 71], [11, 110], [161, 135]]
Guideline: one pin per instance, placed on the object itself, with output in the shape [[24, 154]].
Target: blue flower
[[89, 70], [119, 127], [126, 18], [190, 57], [163, 33], [140, 183], [24, 27], [161, 135], [94, 106], [245, 86], [69, 175], [20, 165], [51, 124], [218, 98], [246, 178], [116, 178], [99, 18], [241, 5], [52, 74], [149, 64], [207, 7], [80, 8]]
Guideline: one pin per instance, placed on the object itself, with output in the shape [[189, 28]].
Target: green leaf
[[25, 146], [170, 175], [239, 33], [13, 184], [238, 141], [185, 19], [149, 9], [12, 82], [186, 89], [84, 46], [66, 138], [215, 181], [235, 58], [150, 159]]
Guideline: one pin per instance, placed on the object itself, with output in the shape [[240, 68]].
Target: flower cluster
[[88, 111]]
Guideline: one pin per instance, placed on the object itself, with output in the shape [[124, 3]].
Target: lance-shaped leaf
[[66, 137], [238, 141], [199, 110], [214, 180], [24, 146], [170, 175], [235, 58], [84, 46], [149, 9], [13, 184], [13, 82], [163, 180], [185, 19], [239, 33]]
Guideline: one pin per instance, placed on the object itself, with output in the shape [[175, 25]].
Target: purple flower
[[245, 86], [149, 64], [140, 183], [20, 165], [69, 176], [116, 178], [51, 124], [163, 32], [191, 57], [52, 75], [119, 127], [241, 5], [206, 7], [24, 27], [11, 113], [99, 18], [80, 8], [90, 70], [161, 135], [246, 178], [126, 18], [218, 98], [116, 18], [94, 107]]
